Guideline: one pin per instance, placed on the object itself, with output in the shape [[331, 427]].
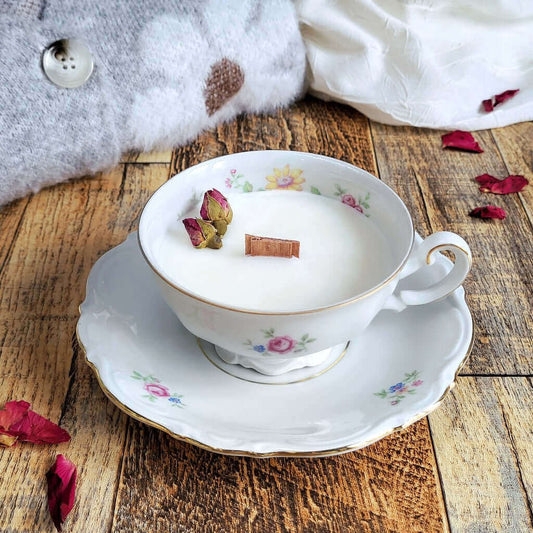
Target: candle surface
[[342, 254]]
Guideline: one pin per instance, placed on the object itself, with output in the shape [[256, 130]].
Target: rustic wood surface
[[469, 468]]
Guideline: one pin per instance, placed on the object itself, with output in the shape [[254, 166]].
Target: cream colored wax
[[342, 254]]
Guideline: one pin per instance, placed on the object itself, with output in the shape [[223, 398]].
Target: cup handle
[[423, 255]]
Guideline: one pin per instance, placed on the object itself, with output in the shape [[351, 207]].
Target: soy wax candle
[[342, 254]]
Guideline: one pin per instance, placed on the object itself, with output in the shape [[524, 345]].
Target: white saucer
[[152, 368]]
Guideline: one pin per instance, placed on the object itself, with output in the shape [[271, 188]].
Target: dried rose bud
[[217, 210], [202, 233]]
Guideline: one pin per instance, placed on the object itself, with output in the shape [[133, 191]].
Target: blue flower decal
[[396, 393], [396, 387], [174, 399], [259, 348]]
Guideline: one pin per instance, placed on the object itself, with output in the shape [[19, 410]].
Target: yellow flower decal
[[286, 179]]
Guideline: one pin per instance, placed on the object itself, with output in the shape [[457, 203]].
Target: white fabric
[[422, 62]]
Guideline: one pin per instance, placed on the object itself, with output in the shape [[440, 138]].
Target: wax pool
[[342, 254]]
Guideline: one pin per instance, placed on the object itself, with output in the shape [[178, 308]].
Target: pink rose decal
[[348, 199], [157, 390], [282, 345]]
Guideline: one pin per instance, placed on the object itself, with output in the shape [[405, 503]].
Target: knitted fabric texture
[[164, 71]]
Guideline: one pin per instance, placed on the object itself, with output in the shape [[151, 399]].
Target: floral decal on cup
[[279, 344], [397, 392], [290, 180], [285, 178], [359, 204], [235, 181], [155, 391]]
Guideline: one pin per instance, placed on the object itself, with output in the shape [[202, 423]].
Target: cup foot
[[293, 371]]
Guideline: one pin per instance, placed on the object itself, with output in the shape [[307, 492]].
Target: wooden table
[[468, 468]]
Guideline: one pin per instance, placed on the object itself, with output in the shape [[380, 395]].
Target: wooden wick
[[254, 245]]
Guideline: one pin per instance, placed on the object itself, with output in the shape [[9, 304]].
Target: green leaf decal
[[339, 191], [269, 333]]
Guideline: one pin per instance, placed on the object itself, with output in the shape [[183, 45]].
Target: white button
[[68, 63]]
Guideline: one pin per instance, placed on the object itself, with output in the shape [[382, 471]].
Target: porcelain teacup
[[231, 328]]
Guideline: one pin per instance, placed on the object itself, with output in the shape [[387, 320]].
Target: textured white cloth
[[422, 62], [164, 70]]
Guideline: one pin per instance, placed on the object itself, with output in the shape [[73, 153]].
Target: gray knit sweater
[[164, 70]]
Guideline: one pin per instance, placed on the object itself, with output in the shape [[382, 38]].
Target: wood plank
[[312, 126], [168, 485], [63, 231], [390, 486], [165, 485], [516, 148], [482, 435], [10, 221], [97, 429], [441, 183], [160, 156]]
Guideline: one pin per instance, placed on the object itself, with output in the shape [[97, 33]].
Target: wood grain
[[483, 435], [64, 230], [516, 147], [439, 188], [10, 221], [357, 492], [135, 478], [171, 486], [164, 156], [310, 126]]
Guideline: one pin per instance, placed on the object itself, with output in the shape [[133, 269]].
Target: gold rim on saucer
[[279, 453]]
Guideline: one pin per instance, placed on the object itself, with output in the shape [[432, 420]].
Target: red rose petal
[[488, 106], [486, 181], [488, 211], [17, 421], [462, 140], [503, 97], [39, 430], [61, 480], [498, 99], [508, 185], [12, 413]]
